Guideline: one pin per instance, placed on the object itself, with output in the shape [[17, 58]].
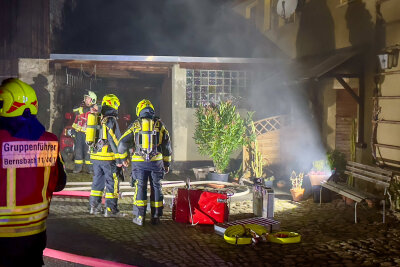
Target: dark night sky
[[158, 27]]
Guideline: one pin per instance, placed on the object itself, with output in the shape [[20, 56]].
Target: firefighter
[[81, 149], [105, 152], [31, 170], [151, 159]]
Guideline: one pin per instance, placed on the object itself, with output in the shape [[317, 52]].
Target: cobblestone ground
[[329, 236]]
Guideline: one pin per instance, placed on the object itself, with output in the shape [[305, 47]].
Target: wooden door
[[346, 111]]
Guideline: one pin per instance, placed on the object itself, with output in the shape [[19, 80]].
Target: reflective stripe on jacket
[[107, 146]]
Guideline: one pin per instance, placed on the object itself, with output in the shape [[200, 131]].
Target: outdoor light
[[389, 59]]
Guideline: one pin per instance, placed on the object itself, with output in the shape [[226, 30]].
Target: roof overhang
[[126, 66]]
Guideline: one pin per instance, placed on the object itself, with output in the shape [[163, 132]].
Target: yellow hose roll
[[241, 234]]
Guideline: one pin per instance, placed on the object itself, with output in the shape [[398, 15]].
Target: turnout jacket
[[81, 115], [162, 154], [31, 170], [106, 148]]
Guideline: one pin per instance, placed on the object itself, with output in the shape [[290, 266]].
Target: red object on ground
[[60, 255], [206, 207], [66, 193]]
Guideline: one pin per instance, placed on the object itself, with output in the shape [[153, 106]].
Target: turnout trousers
[[140, 179], [81, 151], [105, 175]]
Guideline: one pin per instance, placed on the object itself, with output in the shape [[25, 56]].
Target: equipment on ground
[[284, 237], [200, 207], [245, 234]]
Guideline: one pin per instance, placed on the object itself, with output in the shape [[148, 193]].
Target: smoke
[[277, 92], [164, 28], [202, 28]]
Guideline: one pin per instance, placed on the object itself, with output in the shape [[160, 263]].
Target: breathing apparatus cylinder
[[147, 135], [91, 129]]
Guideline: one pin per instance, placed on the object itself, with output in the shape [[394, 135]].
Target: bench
[[374, 175]]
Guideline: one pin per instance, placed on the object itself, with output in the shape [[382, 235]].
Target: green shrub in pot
[[219, 131]]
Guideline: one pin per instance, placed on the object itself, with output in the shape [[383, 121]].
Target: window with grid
[[204, 87]]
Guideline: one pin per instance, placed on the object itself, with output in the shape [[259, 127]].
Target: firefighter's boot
[[95, 210], [113, 213], [139, 220], [89, 169], [77, 168], [155, 220]]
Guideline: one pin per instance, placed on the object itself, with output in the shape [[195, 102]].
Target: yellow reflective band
[[96, 193], [156, 204], [115, 139], [23, 209], [140, 203], [61, 159], [76, 127], [135, 193], [123, 156], [88, 162], [80, 110], [15, 231], [167, 158], [98, 156], [140, 158], [11, 188], [46, 182], [115, 178], [112, 195], [78, 161], [23, 219]]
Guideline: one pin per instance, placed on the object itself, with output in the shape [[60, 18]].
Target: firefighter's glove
[[166, 169], [120, 174], [71, 133]]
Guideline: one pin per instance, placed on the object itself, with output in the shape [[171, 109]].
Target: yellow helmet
[[15, 97], [143, 104], [92, 95], [111, 100]]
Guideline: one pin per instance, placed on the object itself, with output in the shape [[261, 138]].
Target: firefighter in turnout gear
[[150, 160], [31, 170], [81, 150], [103, 156]]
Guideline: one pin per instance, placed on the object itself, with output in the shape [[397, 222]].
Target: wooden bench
[[374, 175]]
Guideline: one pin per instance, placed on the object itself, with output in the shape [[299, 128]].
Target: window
[[205, 87]]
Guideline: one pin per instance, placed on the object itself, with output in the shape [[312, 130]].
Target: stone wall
[[35, 72]]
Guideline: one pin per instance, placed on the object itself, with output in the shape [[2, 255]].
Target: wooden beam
[[348, 88]]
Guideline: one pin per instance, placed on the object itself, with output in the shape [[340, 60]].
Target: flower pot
[[281, 184], [371, 203], [216, 186], [214, 176], [316, 179], [201, 172], [348, 201], [297, 194]]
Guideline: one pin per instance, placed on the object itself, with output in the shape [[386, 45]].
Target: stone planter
[[297, 194], [214, 176]]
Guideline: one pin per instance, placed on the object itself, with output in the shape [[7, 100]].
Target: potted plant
[[218, 133], [297, 181], [320, 172]]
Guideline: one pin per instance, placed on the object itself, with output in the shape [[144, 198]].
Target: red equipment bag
[[200, 207]]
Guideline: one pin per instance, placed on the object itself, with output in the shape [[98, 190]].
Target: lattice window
[[269, 124], [205, 87]]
